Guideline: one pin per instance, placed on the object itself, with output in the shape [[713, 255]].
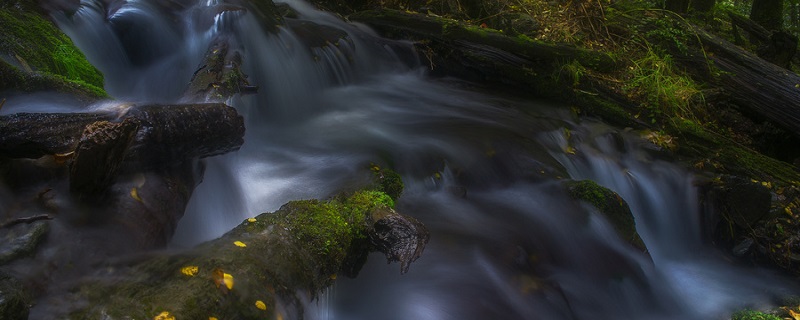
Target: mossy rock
[[14, 300], [21, 240], [36, 56], [611, 205]]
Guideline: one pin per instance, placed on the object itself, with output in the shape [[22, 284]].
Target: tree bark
[[754, 84], [168, 134], [768, 13]]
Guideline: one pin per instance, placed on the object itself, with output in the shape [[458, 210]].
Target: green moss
[[753, 315], [327, 228], [729, 156], [389, 181], [33, 45], [611, 205]]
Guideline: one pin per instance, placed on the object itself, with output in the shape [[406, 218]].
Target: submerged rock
[[21, 240], [14, 301]]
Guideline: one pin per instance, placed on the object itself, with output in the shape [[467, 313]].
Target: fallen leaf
[[212, 318], [61, 158], [239, 244], [135, 195], [228, 280], [795, 315], [251, 220], [189, 270], [164, 316], [260, 304]]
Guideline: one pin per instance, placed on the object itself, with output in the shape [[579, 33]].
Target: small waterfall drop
[[485, 173]]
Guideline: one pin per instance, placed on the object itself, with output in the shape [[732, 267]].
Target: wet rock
[[14, 301], [315, 35], [220, 75], [738, 201], [21, 240], [611, 205]]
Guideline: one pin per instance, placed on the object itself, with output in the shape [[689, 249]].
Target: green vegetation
[[37, 56], [753, 315], [664, 92], [327, 228], [389, 181]]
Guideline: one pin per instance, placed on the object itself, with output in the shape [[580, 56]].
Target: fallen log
[[168, 134], [261, 269], [483, 55], [752, 83]]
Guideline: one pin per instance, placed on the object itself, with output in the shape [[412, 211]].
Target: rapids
[[482, 170]]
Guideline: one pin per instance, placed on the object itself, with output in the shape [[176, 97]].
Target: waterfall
[[483, 171]]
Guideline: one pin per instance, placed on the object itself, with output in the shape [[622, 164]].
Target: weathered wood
[[777, 46], [99, 155], [752, 83], [169, 134]]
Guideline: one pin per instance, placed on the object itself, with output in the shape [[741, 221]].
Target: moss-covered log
[[754, 83], [259, 270], [454, 48]]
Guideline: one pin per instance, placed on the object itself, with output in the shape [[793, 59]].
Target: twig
[[30, 219], [2, 103]]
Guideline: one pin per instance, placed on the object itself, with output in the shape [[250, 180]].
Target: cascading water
[[484, 173]]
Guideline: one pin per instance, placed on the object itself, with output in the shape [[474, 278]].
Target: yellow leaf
[[795, 315], [251, 220], [212, 318], [239, 244], [228, 280], [189, 270], [333, 276], [61, 158], [260, 304], [135, 195], [164, 316]]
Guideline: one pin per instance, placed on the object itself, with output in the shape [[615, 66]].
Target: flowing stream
[[485, 172]]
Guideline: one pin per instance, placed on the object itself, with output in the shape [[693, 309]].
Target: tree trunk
[[702, 6], [768, 13], [678, 6], [752, 83]]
